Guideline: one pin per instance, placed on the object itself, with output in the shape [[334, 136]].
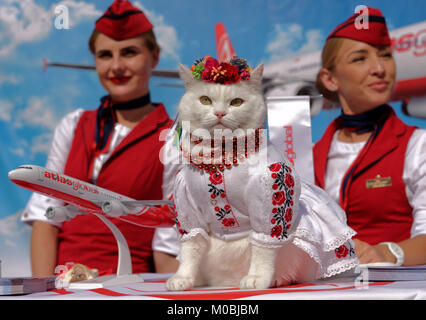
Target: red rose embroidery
[[216, 178], [275, 167], [288, 215], [289, 180], [341, 251], [276, 231], [278, 198], [228, 222]]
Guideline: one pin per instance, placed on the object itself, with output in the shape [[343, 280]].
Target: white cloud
[[10, 78], [37, 113], [6, 108], [41, 143], [166, 35], [22, 21], [78, 11], [19, 151], [292, 40]]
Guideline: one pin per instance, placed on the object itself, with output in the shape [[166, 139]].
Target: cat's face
[[213, 106]]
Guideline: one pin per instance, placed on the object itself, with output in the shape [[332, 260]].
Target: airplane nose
[[13, 174], [21, 173]]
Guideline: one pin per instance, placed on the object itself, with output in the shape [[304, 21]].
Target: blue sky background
[[32, 102]]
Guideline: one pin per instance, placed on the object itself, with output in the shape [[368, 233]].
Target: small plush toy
[[243, 215], [78, 272]]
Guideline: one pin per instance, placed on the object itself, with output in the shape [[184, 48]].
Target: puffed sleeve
[[273, 209], [415, 180], [189, 219], [165, 239]]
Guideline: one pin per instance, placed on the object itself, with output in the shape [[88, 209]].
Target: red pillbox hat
[[122, 20], [368, 25]]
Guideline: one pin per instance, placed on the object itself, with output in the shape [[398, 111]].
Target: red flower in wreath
[[341, 251], [288, 215], [228, 74], [278, 198], [216, 178], [276, 231], [275, 167], [289, 180], [228, 222]]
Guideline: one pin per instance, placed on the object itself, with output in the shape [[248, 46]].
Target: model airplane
[[84, 198], [296, 76]]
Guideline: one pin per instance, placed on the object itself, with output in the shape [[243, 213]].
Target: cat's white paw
[[255, 282], [179, 283]]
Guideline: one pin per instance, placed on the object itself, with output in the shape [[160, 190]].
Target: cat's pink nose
[[220, 115]]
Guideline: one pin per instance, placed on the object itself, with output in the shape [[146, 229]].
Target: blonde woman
[[372, 163]]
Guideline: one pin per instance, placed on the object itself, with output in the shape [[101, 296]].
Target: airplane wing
[[164, 73], [156, 213]]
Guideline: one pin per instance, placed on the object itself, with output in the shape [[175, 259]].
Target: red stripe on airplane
[[80, 202], [409, 88]]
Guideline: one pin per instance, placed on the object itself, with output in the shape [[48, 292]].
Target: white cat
[[239, 215]]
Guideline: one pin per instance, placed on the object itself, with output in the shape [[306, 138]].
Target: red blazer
[[134, 170], [375, 201]]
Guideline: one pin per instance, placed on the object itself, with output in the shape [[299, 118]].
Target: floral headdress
[[210, 70]]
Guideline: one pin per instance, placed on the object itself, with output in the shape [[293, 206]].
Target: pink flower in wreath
[[208, 67], [278, 198], [288, 215], [275, 167], [276, 231], [228, 222], [216, 178], [341, 251], [289, 180]]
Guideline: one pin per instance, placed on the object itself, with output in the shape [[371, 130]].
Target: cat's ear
[[256, 76], [186, 75]]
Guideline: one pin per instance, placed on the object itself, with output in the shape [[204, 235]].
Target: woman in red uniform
[[372, 163], [117, 147]]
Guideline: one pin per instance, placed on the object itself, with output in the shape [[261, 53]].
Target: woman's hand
[[372, 253]]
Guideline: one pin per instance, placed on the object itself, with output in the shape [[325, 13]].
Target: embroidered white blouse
[[263, 199]]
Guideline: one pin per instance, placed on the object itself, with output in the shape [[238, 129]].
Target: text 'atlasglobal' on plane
[[83, 198]]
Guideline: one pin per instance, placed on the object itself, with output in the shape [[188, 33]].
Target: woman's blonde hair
[[329, 55], [149, 36]]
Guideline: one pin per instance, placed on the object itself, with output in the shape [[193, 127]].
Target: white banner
[[289, 123]]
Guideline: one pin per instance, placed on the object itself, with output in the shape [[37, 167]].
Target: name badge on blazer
[[379, 182]]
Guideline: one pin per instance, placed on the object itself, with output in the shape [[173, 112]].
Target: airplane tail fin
[[224, 48], [44, 65]]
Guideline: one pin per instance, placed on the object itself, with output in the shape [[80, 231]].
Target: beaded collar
[[222, 153]]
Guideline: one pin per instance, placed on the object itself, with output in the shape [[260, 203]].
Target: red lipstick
[[119, 80]]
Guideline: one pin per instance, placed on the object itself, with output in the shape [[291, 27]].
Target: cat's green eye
[[236, 102], [205, 100]]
